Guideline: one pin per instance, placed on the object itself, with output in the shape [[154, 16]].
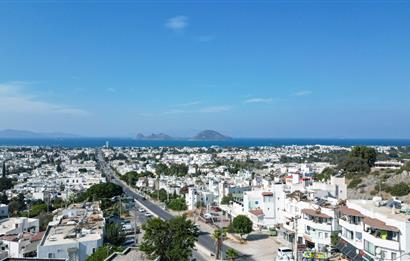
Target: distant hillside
[[210, 135], [153, 136], [23, 134]]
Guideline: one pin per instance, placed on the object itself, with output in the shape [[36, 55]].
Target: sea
[[128, 142]]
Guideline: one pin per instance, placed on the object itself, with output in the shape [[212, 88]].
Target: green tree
[[324, 175], [36, 209], [17, 204], [232, 254], [218, 236], [4, 199], [354, 165], [242, 225], [177, 204], [226, 199], [366, 153], [44, 219], [4, 169], [5, 184], [114, 234], [169, 240], [103, 190], [103, 252]]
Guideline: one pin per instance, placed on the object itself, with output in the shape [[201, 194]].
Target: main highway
[[204, 239]]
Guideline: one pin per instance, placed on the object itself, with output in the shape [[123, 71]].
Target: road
[[204, 239]]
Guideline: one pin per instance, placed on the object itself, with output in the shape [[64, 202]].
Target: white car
[[141, 210], [148, 214], [284, 254]]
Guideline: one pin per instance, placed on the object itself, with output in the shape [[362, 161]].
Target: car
[[128, 242], [141, 210], [284, 254], [148, 214]]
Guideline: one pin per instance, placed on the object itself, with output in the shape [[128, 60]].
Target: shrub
[[177, 204], [354, 183], [401, 189]]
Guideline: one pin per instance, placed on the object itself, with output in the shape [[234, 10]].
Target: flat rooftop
[[385, 211], [78, 224]]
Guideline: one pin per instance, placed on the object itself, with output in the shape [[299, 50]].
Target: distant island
[[153, 136], [24, 134], [203, 135], [210, 135]]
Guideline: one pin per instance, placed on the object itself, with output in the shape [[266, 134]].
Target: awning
[[350, 211], [314, 213], [377, 223]]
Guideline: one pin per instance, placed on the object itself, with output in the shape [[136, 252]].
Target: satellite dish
[[378, 251]]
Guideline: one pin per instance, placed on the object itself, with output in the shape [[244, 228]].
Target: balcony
[[380, 242], [350, 226], [326, 226]]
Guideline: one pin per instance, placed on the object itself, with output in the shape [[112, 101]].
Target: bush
[[401, 189], [324, 175], [226, 199], [103, 252], [114, 234], [354, 183], [177, 204]]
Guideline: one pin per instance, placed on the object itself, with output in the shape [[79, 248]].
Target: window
[[359, 236], [393, 256], [383, 254], [51, 255], [326, 235], [93, 250], [369, 247]]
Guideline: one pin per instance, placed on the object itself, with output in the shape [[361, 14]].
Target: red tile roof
[[350, 212], [257, 212], [314, 213], [377, 223]]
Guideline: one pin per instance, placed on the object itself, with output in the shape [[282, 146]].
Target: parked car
[[284, 254], [148, 214], [141, 210]]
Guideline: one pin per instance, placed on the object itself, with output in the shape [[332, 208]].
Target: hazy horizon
[[251, 70]]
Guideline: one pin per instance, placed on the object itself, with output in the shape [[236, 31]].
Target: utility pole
[[135, 226], [295, 223]]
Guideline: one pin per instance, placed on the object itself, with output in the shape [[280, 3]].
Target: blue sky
[[265, 69]]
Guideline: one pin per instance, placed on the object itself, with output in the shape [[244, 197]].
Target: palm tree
[[231, 253], [218, 235]]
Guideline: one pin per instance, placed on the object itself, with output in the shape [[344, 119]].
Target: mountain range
[[23, 134]]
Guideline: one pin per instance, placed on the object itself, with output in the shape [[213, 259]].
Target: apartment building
[[375, 229], [263, 206], [17, 225], [75, 234]]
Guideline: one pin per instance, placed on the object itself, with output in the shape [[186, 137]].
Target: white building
[[4, 211], [372, 229], [76, 233], [16, 225], [263, 207], [20, 245]]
